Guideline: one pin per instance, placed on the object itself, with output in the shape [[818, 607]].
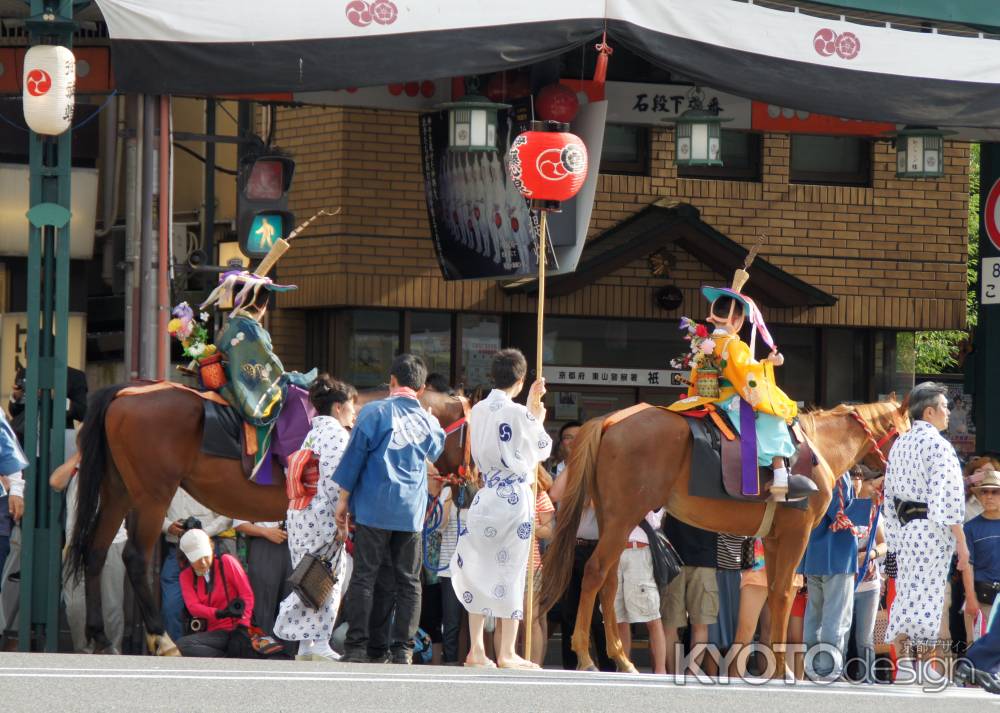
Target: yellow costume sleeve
[[754, 381]]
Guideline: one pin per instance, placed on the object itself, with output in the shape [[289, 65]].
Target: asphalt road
[[67, 683]]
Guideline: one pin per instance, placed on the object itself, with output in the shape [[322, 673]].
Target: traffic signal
[[262, 202]]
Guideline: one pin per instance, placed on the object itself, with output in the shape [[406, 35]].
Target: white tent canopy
[[787, 58]]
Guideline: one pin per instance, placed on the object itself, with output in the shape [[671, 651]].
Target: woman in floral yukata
[[311, 525]]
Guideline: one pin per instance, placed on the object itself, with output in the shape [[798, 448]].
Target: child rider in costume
[[744, 380]]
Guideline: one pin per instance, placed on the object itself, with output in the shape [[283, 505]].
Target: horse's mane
[[873, 413]]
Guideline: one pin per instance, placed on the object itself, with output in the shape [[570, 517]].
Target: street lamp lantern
[[698, 134], [919, 152], [472, 122]]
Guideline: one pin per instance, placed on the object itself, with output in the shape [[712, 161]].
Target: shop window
[[626, 150], [430, 339], [637, 344], [372, 341], [480, 340], [831, 160], [741, 152], [798, 376]]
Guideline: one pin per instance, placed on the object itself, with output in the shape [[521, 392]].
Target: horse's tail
[[580, 474], [94, 464]]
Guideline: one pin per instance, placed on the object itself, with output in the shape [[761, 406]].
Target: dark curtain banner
[[480, 224]]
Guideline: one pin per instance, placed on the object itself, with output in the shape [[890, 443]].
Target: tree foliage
[[937, 352]]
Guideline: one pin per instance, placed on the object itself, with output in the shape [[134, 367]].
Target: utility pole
[[987, 339], [51, 22]]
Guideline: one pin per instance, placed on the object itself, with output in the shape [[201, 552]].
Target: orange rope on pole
[[529, 603]]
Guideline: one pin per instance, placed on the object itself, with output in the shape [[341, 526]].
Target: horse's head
[[451, 412], [883, 423]]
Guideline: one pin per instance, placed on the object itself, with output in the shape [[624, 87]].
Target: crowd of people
[[454, 592]]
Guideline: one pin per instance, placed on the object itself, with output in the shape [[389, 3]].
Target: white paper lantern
[[49, 88]]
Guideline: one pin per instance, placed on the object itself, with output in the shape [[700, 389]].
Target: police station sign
[[607, 376], [637, 103]]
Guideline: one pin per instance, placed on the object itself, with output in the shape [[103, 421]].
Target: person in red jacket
[[217, 594]]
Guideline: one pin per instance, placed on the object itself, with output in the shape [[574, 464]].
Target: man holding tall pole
[[490, 564]]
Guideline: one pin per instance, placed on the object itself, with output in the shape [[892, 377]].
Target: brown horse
[[645, 464], [137, 450]]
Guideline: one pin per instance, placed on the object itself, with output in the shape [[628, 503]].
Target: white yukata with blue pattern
[[490, 563], [313, 528], [923, 468]]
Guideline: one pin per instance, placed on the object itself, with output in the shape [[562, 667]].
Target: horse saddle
[[717, 461], [223, 433]]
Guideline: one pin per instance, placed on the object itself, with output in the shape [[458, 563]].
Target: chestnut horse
[[137, 450], [644, 464]]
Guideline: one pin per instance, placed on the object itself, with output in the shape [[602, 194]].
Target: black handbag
[[314, 576], [666, 562]]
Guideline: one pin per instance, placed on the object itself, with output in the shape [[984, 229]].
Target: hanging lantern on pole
[[472, 122], [49, 89], [698, 134], [547, 165], [919, 151]]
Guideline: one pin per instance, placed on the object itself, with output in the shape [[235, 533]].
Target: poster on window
[[477, 358], [481, 226], [961, 428]]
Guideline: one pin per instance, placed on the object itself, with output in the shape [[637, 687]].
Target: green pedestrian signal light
[[265, 229], [262, 202]]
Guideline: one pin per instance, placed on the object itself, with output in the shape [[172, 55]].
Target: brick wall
[[288, 337], [894, 254]]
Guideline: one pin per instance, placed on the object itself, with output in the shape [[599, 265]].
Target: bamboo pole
[[529, 608]]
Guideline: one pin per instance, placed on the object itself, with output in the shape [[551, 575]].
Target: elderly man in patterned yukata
[[924, 509]]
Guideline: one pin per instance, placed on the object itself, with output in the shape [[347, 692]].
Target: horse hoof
[[627, 667], [167, 647], [109, 650], [161, 645], [587, 667]]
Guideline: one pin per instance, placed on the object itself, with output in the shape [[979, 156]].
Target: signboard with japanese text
[[989, 278], [635, 103], [612, 376]]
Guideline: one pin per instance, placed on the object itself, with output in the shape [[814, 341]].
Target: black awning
[[826, 65], [680, 224]]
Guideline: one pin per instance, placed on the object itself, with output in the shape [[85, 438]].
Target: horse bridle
[[461, 426], [877, 445]]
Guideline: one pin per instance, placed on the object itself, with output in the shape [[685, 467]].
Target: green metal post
[[51, 22], [987, 343]]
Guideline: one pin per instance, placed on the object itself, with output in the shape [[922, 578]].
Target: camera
[[235, 609], [191, 523]]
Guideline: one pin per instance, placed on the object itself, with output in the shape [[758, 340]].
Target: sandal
[[522, 666], [480, 664]]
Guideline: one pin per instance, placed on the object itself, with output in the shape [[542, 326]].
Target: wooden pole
[[529, 604]]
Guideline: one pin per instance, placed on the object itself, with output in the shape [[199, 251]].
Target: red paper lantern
[[557, 102], [547, 166]]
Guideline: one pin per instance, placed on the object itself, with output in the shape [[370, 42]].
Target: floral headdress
[[702, 352], [192, 333]]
